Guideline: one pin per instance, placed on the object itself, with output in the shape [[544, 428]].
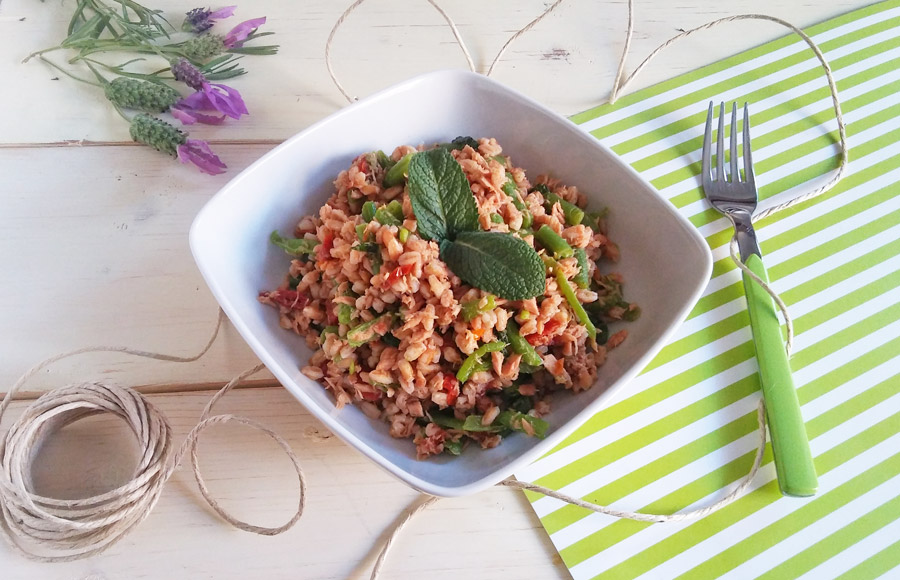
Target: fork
[[736, 198]]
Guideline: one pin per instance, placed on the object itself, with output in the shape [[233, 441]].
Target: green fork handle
[[790, 445]]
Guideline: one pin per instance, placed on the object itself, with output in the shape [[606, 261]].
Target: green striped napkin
[[684, 432]]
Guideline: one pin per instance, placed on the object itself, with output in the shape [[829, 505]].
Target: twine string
[[54, 530]]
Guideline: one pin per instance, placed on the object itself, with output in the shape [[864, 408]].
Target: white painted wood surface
[[93, 250]]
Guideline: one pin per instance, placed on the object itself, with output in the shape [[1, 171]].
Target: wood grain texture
[[94, 249], [567, 62], [351, 505]]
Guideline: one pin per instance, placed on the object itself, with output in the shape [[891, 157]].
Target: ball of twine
[[47, 529]]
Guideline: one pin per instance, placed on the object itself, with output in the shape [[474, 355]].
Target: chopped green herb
[[459, 144], [293, 282], [453, 447], [390, 340], [294, 246], [501, 159], [365, 332], [360, 232]]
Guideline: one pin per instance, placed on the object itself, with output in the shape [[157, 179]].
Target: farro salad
[[446, 294]]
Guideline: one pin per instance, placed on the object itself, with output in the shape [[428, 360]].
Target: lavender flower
[[198, 152], [202, 19], [168, 139], [238, 34], [210, 97]]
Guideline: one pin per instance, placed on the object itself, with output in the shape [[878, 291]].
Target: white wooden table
[[93, 250]]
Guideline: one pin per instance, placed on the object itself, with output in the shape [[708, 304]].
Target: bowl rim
[[560, 432]]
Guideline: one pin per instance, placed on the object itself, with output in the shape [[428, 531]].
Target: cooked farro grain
[[395, 331]]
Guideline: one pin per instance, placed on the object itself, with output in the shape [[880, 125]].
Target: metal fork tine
[[733, 152], [707, 145], [748, 158], [720, 145]]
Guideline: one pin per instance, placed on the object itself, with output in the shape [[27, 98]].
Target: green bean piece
[[385, 217], [527, 220], [554, 242], [368, 211], [521, 346], [396, 174], [327, 330], [581, 279], [510, 189], [344, 313], [361, 232], [574, 214], [468, 367], [496, 218], [396, 209], [383, 160], [403, 235], [574, 304], [471, 309], [632, 313]]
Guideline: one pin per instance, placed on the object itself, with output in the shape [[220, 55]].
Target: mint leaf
[[440, 195], [293, 246], [497, 263]]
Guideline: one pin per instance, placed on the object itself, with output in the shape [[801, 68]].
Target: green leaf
[[460, 143], [497, 263], [441, 199], [293, 246]]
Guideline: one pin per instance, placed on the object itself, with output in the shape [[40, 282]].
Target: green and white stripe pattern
[[684, 432]]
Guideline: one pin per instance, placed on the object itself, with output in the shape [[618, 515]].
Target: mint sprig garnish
[[445, 209], [498, 263], [440, 195]]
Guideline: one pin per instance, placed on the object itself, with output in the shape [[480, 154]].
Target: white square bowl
[[665, 261]]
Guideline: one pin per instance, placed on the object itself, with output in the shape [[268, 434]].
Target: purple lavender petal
[[185, 117], [188, 110], [222, 13], [198, 152], [225, 100], [190, 116], [198, 101], [239, 33], [235, 97]]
